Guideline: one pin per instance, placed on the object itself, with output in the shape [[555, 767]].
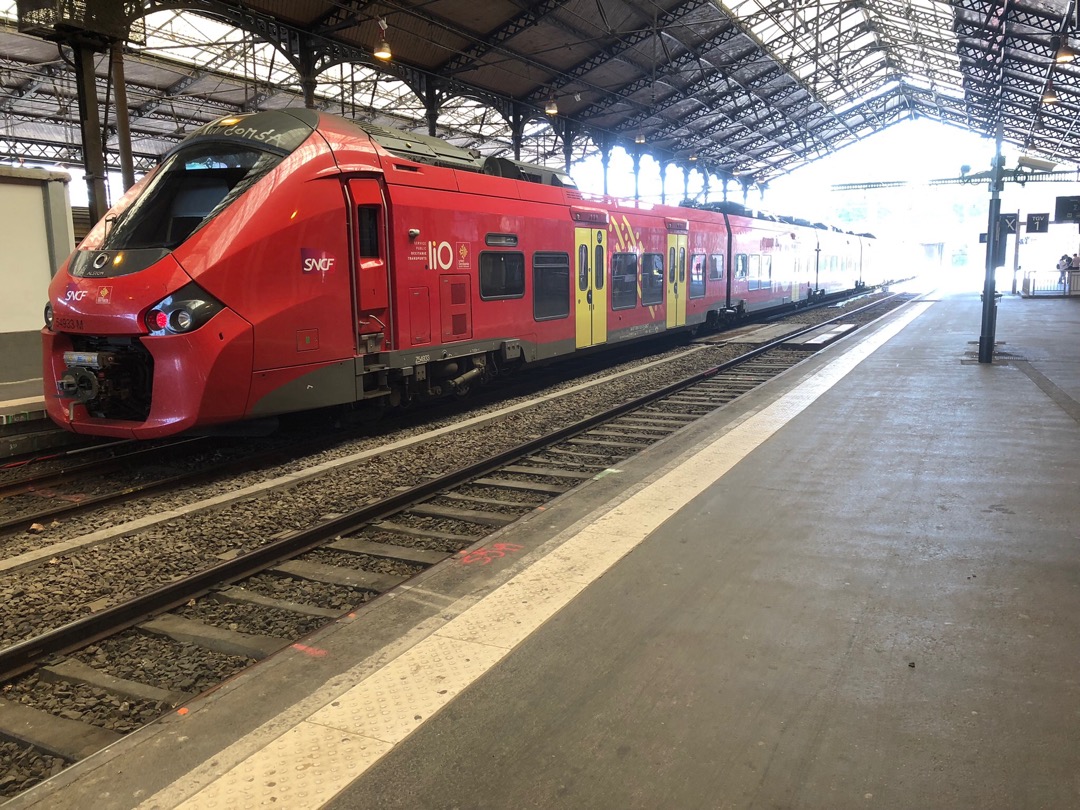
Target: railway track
[[223, 617], [63, 485]]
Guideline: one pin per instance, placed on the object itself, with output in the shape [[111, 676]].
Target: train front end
[[135, 345]]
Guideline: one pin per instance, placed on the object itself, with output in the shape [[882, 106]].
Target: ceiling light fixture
[[639, 138], [552, 106], [1063, 54], [382, 50], [1049, 95]]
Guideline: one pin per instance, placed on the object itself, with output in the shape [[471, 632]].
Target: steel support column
[[90, 127], [637, 174], [432, 103], [989, 303], [123, 127], [605, 162], [517, 128]]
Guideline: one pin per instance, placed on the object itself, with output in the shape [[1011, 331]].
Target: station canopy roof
[[747, 89]]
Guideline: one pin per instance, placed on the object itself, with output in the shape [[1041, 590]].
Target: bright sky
[[910, 150]]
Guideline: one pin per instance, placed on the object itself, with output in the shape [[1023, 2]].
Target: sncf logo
[[75, 295], [316, 261]]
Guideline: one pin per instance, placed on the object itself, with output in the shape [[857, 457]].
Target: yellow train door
[[590, 264], [676, 272]]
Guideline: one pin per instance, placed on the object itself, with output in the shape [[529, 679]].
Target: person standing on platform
[[1063, 265]]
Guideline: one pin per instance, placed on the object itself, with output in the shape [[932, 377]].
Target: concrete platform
[[858, 586], [24, 425], [21, 400]]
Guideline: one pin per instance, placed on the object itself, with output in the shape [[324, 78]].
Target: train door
[[591, 266], [676, 272], [370, 264]]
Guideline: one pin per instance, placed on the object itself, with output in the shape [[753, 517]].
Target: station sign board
[[1038, 223]]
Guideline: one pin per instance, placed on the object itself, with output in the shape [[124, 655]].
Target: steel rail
[[28, 482]]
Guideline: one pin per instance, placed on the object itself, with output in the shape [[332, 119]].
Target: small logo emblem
[[316, 261]]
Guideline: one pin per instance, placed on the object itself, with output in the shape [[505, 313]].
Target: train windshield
[[192, 185]]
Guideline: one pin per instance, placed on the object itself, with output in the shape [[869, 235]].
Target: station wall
[[36, 236]]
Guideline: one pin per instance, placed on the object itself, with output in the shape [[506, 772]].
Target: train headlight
[[181, 320], [184, 311], [48, 316]]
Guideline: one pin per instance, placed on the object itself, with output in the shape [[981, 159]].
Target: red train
[[290, 260]]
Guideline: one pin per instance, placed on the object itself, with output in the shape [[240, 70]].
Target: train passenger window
[[583, 267], [367, 218], [551, 286], [652, 279], [502, 275], [598, 266], [741, 266], [766, 272], [624, 280], [697, 275], [671, 266], [682, 265], [754, 273], [716, 267]]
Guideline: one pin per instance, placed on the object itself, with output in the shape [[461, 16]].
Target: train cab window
[[598, 267], [502, 275], [551, 286], [652, 279], [754, 271], [624, 280], [682, 265], [697, 275], [741, 266], [766, 273], [367, 218], [716, 267], [671, 265], [192, 204], [190, 188], [583, 267]]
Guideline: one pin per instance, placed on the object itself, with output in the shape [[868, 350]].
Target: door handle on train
[[588, 297]]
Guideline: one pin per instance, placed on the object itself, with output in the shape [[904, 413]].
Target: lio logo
[[440, 255]]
